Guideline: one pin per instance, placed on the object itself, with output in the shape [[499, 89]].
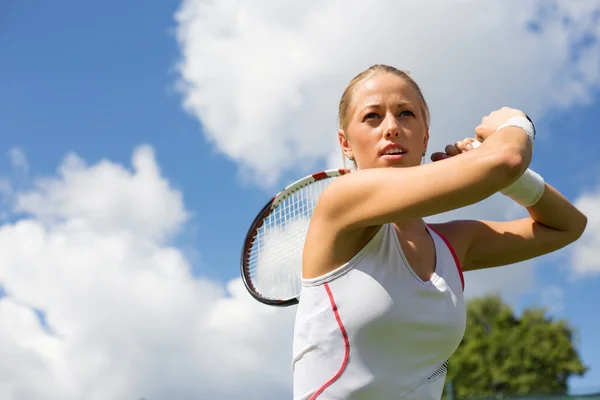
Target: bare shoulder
[[326, 248], [484, 244], [459, 234]]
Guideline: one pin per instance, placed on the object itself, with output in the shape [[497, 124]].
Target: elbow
[[575, 231], [579, 225]]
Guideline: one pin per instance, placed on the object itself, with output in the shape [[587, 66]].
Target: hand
[[451, 150], [493, 121]]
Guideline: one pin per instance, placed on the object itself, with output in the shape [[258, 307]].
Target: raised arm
[[381, 195], [553, 223]]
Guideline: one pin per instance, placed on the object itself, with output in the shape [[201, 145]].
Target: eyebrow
[[376, 105]]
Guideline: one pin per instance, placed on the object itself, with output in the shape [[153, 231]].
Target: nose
[[391, 127]]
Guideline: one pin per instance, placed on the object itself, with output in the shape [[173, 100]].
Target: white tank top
[[372, 329]]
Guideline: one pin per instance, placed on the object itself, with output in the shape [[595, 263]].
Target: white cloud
[[585, 253], [108, 197], [553, 299], [125, 316], [5, 189], [19, 172], [265, 78], [18, 160]]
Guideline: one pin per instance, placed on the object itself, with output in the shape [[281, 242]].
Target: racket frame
[[258, 221]]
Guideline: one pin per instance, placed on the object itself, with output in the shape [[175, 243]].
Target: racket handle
[[476, 144]]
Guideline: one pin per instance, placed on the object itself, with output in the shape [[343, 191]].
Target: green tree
[[501, 352]]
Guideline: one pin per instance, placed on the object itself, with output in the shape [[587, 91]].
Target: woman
[[382, 308]]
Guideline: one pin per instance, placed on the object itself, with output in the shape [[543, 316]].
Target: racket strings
[[275, 258]]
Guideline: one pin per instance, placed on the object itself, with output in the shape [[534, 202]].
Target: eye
[[407, 113], [370, 115]]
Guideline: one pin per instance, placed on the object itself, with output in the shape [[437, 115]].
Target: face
[[386, 127]]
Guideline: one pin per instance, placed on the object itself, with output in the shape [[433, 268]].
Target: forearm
[[513, 141], [554, 211], [553, 224]]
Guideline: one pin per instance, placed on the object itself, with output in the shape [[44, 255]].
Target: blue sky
[[100, 79]]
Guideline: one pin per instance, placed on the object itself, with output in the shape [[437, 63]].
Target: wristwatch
[[532, 124]]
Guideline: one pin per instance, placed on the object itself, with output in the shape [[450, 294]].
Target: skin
[[385, 110]]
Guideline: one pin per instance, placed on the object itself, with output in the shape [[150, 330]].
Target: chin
[[398, 166], [402, 163]]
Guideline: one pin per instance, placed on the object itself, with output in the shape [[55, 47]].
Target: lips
[[393, 150]]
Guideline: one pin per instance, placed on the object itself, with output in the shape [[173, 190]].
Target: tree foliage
[[501, 352]]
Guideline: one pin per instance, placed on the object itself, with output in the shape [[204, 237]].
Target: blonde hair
[[346, 99]]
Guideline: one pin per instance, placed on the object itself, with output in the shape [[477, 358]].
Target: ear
[[425, 140], [345, 144]]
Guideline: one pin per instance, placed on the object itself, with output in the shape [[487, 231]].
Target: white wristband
[[527, 190], [521, 122]]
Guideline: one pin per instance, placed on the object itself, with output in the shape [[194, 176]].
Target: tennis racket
[[271, 261]]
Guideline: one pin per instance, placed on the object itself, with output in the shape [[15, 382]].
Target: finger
[[468, 143], [482, 132], [451, 150], [475, 142], [438, 156], [461, 146]]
